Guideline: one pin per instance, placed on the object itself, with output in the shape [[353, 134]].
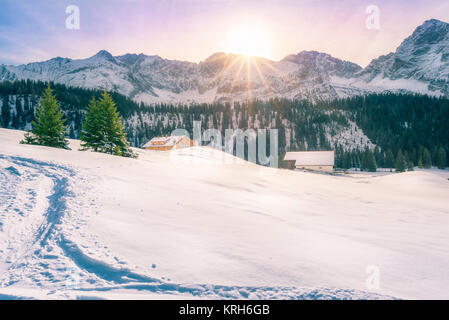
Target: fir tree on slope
[[441, 158], [400, 162], [346, 161], [49, 127], [103, 129], [368, 161], [426, 158], [389, 160], [93, 136]]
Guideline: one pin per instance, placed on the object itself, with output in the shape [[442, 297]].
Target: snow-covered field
[[197, 223]]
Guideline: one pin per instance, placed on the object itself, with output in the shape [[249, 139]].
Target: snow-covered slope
[[420, 64], [200, 223]]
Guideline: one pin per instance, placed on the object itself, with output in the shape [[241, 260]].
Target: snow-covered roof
[[163, 141], [311, 158]]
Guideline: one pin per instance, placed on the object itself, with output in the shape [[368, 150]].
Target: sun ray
[[270, 66], [249, 78], [225, 68], [256, 66], [237, 75], [267, 87]]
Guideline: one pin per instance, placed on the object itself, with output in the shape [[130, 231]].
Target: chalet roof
[[311, 158], [164, 141]]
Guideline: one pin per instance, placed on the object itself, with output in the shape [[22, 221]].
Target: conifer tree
[[434, 155], [379, 157], [389, 159], [103, 130], [49, 127], [346, 162], [420, 165], [362, 162], [441, 158], [356, 160], [369, 163], [400, 162], [93, 133], [426, 159], [6, 113]]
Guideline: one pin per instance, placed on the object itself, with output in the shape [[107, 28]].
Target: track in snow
[[42, 207], [32, 233]]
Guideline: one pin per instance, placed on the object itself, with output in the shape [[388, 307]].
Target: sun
[[248, 41]]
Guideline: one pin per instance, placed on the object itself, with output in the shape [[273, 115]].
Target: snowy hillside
[[420, 65], [199, 223]]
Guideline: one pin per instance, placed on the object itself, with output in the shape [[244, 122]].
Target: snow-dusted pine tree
[[103, 129], [400, 163], [49, 127]]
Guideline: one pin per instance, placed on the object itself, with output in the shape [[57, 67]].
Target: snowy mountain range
[[420, 64]]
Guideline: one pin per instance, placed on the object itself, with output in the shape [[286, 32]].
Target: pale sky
[[192, 30]]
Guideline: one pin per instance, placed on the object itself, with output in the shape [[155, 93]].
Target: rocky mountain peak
[[324, 62], [103, 54]]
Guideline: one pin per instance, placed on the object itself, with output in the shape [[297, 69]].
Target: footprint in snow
[[13, 171]]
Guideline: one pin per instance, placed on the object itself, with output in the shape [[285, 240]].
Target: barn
[[311, 160], [168, 143]]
